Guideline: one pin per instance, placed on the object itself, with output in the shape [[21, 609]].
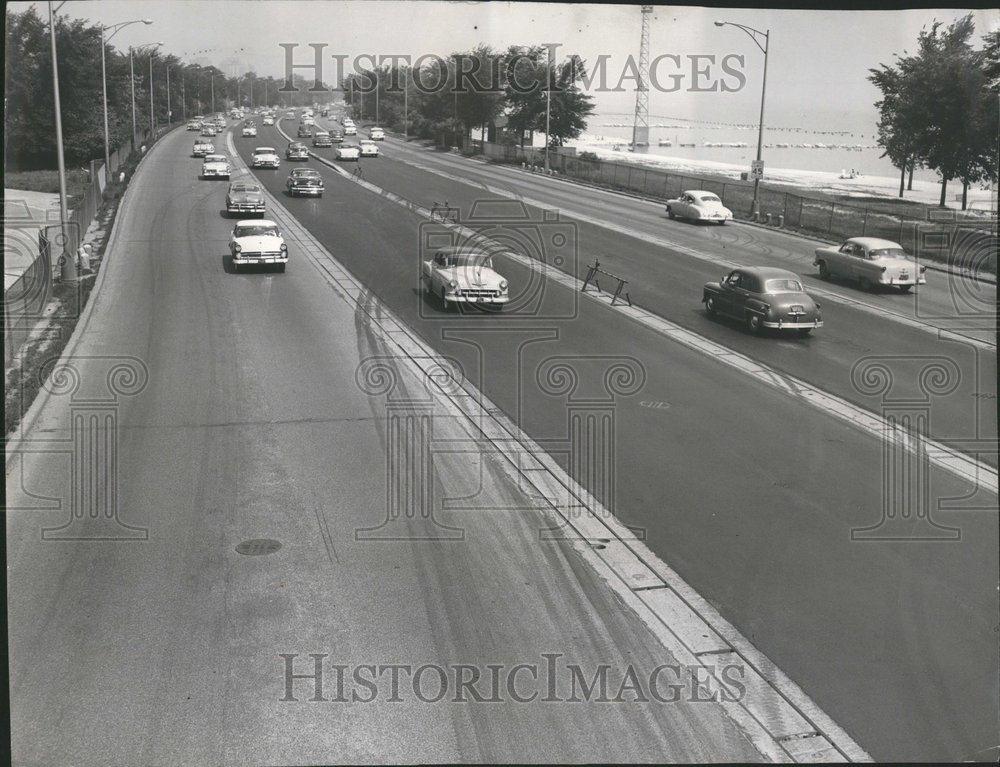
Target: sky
[[817, 65]]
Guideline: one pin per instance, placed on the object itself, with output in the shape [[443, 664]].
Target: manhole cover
[[258, 547]]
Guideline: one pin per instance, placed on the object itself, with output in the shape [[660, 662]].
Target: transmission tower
[[640, 125]]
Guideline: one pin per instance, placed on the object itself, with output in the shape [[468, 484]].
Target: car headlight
[[503, 284], [284, 248], [883, 269], [237, 248], [452, 284]]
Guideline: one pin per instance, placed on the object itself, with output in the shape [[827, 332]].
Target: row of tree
[[29, 111], [448, 98], [939, 106]]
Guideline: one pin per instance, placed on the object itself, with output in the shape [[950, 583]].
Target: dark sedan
[[305, 181], [296, 151], [764, 297]]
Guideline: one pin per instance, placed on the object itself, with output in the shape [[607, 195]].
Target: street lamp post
[[754, 34], [68, 261], [548, 107], [406, 102], [131, 69], [115, 29]]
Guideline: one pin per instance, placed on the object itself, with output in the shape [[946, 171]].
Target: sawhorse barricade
[[593, 271]]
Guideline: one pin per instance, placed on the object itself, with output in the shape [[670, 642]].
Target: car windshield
[[469, 259], [265, 150], [215, 158], [244, 188], [256, 230], [888, 253], [782, 286], [709, 198]]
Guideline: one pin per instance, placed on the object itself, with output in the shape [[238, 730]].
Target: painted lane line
[[979, 474], [782, 722]]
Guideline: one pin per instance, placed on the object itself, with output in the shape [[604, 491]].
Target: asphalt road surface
[[751, 496]]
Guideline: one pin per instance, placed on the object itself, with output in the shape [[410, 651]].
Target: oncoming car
[[208, 131], [245, 198], [296, 150], [304, 131], [249, 130], [215, 166], [464, 275], [194, 125], [268, 120], [305, 181], [348, 152], [763, 297], [376, 134], [699, 206], [322, 139], [872, 262], [264, 157], [202, 148], [257, 242], [368, 148]]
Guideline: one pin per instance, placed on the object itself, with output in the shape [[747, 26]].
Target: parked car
[[322, 139], [245, 198], [257, 242], [764, 297], [249, 130], [698, 205], [215, 166], [202, 148], [872, 262], [464, 275], [368, 148], [305, 181], [296, 150], [376, 134], [265, 157], [348, 152]]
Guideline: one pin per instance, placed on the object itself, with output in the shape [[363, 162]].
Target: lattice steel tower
[[640, 125]]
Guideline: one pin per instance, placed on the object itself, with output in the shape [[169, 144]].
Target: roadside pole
[[68, 259]]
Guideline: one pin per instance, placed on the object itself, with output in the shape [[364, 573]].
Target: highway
[[252, 426], [764, 533]]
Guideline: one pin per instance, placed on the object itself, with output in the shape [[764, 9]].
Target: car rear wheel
[[824, 271], [445, 303], [236, 267], [670, 214], [754, 323]]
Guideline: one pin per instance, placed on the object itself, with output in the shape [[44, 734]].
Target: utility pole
[[170, 116], [548, 107], [406, 107], [640, 123], [131, 69], [213, 91], [68, 262], [152, 121]]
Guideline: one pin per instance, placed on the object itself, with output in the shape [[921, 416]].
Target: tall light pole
[[131, 70], [754, 34], [114, 29], [548, 106], [406, 101], [68, 261], [170, 117]]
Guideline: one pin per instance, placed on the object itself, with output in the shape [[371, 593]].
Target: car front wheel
[[905, 288], [803, 332], [445, 303], [710, 306], [824, 271], [670, 214], [754, 323]]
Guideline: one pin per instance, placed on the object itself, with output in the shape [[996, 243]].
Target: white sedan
[[368, 148], [872, 262], [348, 152], [265, 157], [699, 205], [268, 120], [257, 242], [249, 131], [215, 166], [464, 275]]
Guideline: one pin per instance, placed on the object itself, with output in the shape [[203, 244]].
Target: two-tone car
[[202, 148], [245, 198], [348, 151], [764, 298], [265, 157], [873, 262], [322, 139], [464, 275], [257, 242], [208, 131], [376, 134], [305, 182], [296, 151], [250, 130], [194, 125], [698, 205], [367, 148], [215, 166], [350, 129]]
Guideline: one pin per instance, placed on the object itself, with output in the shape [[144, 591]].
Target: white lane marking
[[780, 720], [979, 474], [701, 255]]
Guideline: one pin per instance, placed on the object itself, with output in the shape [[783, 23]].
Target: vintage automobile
[[348, 152], [257, 242], [264, 157], [245, 198], [337, 135], [460, 274], [699, 206], [209, 131], [249, 130], [194, 125], [350, 129], [872, 262], [296, 150], [220, 122], [322, 138], [202, 148], [368, 148], [215, 166], [304, 131], [305, 181], [764, 297], [376, 134], [268, 120]]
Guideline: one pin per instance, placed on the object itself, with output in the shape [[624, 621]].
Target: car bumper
[[477, 299], [309, 191], [792, 325], [246, 208], [247, 260], [298, 158], [265, 164], [215, 174], [908, 281]]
